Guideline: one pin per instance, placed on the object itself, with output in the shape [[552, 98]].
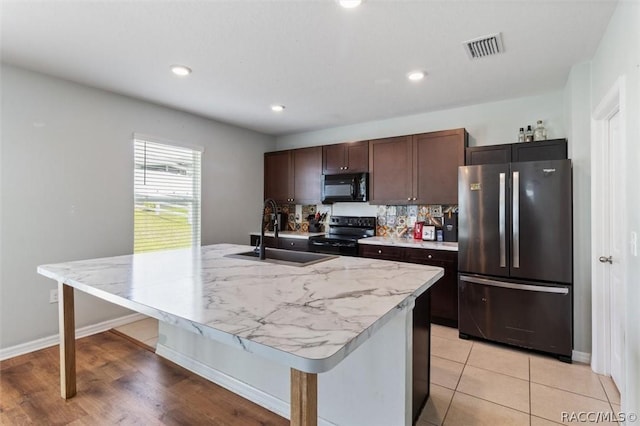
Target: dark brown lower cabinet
[[421, 353], [298, 244], [444, 293]]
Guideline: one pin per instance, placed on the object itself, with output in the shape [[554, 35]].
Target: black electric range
[[343, 235]]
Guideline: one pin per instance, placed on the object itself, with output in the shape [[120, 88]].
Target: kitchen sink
[[284, 257]]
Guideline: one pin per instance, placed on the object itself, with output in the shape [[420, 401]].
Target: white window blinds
[[166, 196]]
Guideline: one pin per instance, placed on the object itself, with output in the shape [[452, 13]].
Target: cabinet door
[[307, 171], [278, 173], [296, 244], [381, 252], [444, 293], [390, 168], [334, 159], [436, 158], [268, 241], [357, 157], [493, 154], [554, 149], [351, 157]]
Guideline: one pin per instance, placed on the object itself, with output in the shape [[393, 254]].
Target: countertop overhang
[[308, 318]]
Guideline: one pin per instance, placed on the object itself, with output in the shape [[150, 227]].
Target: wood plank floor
[[119, 382]]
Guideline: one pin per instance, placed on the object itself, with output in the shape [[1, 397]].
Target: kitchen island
[[308, 319]]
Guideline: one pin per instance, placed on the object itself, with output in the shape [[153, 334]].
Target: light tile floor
[[479, 383]]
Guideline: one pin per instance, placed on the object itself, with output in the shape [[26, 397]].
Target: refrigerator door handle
[[501, 221], [516, 220], [493, 283]]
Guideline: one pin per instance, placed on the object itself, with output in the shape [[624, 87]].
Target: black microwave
[[346, 187]]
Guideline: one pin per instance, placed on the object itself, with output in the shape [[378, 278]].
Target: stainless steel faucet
[[274, 212]]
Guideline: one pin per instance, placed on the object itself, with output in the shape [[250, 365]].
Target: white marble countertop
[[405, 242], [291, 234], [308, 318]]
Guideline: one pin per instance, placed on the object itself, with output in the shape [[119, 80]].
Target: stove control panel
[[353, 221]]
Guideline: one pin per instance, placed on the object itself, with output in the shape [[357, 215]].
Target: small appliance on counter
[[343, 235], [429, 233], [417, 230], [450, 227]]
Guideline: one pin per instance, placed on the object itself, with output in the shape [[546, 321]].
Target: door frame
[[613, 101]]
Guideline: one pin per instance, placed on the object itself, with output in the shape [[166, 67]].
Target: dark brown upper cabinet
[[278, 176], [417, 169], [493, 154], [293, 176], [352, 157], [307, 174], [391, 170], [436, 158], [553, 149]]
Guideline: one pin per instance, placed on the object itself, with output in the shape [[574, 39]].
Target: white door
[[616, 250]]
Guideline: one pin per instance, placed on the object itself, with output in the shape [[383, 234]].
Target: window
[[166, 195]]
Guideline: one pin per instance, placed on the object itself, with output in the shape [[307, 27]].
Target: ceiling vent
[[484, 46]]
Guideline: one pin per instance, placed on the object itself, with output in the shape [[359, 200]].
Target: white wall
[[487, 124], [577, 104], [619, 55], [67, 187]]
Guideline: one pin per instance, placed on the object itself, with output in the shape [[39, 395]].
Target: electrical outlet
[[435, 210], [634, 243], [53, 295]]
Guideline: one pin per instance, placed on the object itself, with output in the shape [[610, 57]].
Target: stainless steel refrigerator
[[515, 254]]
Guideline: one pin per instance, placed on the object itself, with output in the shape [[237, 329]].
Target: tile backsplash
[[392, 221], [399, 221]]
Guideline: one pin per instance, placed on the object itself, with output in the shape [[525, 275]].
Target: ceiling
[[329, 66]]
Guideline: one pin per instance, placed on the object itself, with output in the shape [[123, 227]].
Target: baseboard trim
[[232, 384], [45, 342], [584, 357]]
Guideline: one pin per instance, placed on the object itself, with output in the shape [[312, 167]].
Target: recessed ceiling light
[[415, 75], [349, 4], [180, 70], [277, 108]]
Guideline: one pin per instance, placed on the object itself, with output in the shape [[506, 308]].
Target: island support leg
[[67, 327], [304, 398]]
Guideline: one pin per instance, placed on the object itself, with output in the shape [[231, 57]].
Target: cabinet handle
[[346, 167], [414, 198], [293, 244], [515, 286], [379, 251], [409, 199], [429, 257], [502, 220], [515, 220]]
